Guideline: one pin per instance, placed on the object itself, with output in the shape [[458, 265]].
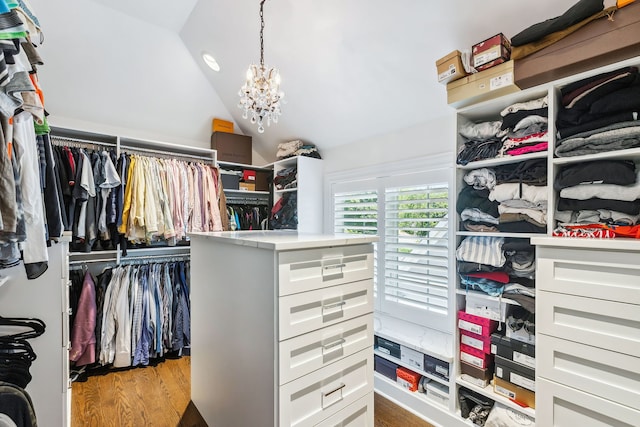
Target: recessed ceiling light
[[211, 61]]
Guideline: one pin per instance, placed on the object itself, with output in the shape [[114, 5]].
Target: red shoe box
[[479, 342], [490, 52], [476, 324], [408, 379], [475, 357]]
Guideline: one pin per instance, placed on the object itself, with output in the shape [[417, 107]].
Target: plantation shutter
[[416, 247]]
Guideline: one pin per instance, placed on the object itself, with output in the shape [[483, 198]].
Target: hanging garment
[[83, 337], [34, 248]]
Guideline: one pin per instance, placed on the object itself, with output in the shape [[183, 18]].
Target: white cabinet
[[587, 301], [45, 298], [282, 329], [305, 193], [589, 330]]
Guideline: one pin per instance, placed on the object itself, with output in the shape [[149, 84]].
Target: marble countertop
[[284, 240]]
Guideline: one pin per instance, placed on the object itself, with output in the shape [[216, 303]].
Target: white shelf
[[499, 234], [628, 154], [502, 161], [482, 295], [245, 192], [427, 341], [488, 392], [417, 394], [413, 368], [242, 165], [286, 190]]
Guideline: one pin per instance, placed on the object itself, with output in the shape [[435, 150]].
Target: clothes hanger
[[35, 327]]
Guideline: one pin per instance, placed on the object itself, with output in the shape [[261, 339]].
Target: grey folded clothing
[[617, 136]]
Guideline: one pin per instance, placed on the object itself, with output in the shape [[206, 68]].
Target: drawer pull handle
[[334, 344], [334, 305], [331, 267], [340, 387]]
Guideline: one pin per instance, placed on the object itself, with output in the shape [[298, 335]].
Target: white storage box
[[437, 392], [412, 357], [484, 307]]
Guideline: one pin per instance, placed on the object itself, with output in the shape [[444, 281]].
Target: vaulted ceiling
[[351, 69]]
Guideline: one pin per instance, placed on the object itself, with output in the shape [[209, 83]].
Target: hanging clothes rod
[[93, 261], [248, 201], [61, 140], [153, 258], [166, 154]]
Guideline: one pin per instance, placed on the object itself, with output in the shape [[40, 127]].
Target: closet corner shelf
[[241, 165], [628, 154], [502, 161], [286, 190], [413, 368], [482, 295], [488, 392], [498, 234]]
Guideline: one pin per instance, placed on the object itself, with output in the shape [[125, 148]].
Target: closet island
[[282, 328]]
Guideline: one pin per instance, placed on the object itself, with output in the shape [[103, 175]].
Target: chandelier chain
[[260, 96], [262, 33]]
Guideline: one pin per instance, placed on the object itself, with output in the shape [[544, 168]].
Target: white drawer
[[599, 323], [614, 376], [611, 276], [308, 311], [561, 406], [308, 352], [321, 394], [359, 414], [305, 270]]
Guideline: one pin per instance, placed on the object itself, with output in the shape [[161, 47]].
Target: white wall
[[429, 138], [107, 72]]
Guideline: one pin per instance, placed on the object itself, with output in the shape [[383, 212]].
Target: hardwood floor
[[160, 396]]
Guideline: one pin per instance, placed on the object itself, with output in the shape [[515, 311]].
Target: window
[[410, 214]]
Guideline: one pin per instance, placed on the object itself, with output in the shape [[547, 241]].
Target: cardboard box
[[479, 342], [483, 307], [263, 179], [412, 357], [488, 84], [438, 393], [219, 125], [517, 394], [518, 351], [490, 52], [476, 376], [248, 175], [520, 375], [247, 186], [475, 357], [232, 147], [230, 181], [385, 367], [599, 43], [388, 347], [450, 67], [407, 378], [476, 324], [436, 367]]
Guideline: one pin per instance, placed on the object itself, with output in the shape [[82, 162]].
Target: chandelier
[[260, 95]]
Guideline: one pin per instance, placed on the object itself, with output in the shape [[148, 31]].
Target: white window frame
[[434, 169]]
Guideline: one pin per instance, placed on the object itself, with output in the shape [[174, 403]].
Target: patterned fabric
[[482, 250]]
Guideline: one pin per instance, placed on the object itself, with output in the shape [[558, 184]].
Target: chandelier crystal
[[260, 95]]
